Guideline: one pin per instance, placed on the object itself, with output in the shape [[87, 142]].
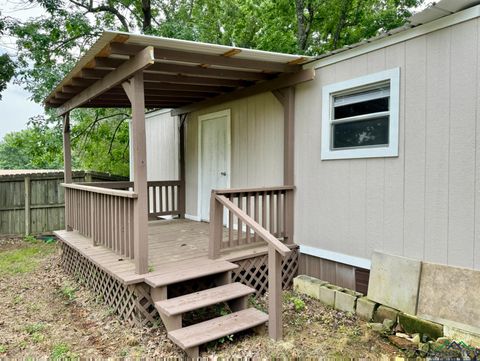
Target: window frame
[[351, 86]]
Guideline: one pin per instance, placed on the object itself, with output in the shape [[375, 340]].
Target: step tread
[[192, 271], [194, 301], [216, 328]]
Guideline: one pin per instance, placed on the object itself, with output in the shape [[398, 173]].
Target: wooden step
[[207, 268], [216, 328], [194, 301]]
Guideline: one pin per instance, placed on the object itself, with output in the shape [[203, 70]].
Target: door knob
[[223, 173]]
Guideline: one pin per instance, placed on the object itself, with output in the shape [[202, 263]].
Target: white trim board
[[192, 218], [337, 257], [329, 91], [375, 44]]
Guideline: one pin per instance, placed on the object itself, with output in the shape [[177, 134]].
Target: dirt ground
[[44, 313]]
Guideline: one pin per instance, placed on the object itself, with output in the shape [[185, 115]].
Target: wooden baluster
[[160, 195], [92, 217], [115, 223], [264, 210], [132, 231], [256, 213], [230, 223], [279, 214], [216, 227], [249, 213], [167, 196], [271, 210], [154, 199], [240, 240]]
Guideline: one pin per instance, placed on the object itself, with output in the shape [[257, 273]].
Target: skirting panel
[[131, 303], [253, 272], [334, 272], [134, 304]]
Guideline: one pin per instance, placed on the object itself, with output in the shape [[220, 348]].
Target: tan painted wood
[[196, 300], [181, 159], [179, 275], [262, 232], [174, 245], [197, 58], [214, 329], [101, 190], [67, 163], [135, 91], [140, 61], [275, 326], [216, 227], [28, 214], [282, 81]]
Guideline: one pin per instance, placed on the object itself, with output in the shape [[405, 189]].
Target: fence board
[[47, 210]]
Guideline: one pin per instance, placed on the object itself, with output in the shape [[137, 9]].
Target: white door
[[214, 157]]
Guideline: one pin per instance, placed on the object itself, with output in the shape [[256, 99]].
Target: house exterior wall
[[256, 145], [162, 146], [423, 204]]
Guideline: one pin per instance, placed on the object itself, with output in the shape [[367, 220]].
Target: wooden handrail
[[262, 232], [276, 249], [253, 190], [100, 190]]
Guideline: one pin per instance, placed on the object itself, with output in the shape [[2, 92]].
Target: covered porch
[[118, 226]]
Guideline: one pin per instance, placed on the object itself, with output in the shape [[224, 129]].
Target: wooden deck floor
[[172, 243]]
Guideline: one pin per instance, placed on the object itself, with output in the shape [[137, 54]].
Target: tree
[[7, 66], [50, 45]]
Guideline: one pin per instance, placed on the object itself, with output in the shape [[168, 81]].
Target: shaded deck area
[[175, 244]]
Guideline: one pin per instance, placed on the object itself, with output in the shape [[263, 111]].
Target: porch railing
[[164, 197], [259, 214], [103, 214], [269, 207], [104, 211]]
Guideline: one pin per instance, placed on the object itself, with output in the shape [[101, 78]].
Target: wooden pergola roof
[[177, 74]]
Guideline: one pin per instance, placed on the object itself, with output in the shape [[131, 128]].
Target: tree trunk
[[147, 16], [301, 29]]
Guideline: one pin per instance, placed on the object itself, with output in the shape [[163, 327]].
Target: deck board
[[172, 243]]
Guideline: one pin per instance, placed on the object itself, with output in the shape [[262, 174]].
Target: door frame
[[201, 118]]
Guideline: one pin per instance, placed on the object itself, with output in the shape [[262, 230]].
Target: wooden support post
[[67, 164], [289, 154], [181, 168], [286, 97], [28, 217], [88, 177], [135, 92], [216, 227], [275, 328]]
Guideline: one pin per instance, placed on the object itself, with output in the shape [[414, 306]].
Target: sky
[[15, 106]]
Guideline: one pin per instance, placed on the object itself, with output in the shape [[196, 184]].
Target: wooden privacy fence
[[264, 212], [32, 201], [104, 211]]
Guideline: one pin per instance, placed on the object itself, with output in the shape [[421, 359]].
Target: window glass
[[361, 108], [371, 132]]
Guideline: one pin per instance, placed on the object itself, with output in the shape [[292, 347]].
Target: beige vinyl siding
[[256, 145], [425, 202], [162, 146]]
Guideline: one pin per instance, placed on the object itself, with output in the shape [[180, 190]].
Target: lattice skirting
[[253, 272], [134, 304], [131, 303]]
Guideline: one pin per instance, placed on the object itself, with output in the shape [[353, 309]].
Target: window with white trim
[[360, 117]]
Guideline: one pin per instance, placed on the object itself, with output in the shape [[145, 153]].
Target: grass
[[61, 351], [24, 259], [68, 292]]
